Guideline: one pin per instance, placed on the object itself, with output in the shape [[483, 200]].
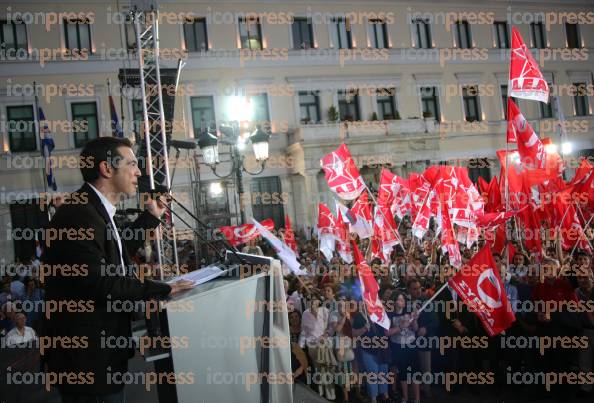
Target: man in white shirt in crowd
[[20, 333]]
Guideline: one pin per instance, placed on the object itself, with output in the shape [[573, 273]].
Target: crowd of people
[[344, 356], [339, 352], [21, 300]]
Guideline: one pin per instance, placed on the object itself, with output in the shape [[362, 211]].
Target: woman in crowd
[[340, 326], [294, 325], [314, 335], [372, 345], [402, 334]]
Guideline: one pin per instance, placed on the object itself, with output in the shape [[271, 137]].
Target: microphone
[[183, 144]]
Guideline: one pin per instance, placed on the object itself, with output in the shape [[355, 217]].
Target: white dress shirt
[[14, 337], [313, 327], [111, 209]]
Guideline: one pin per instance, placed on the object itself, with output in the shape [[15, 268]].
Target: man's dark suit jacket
[[95, 252]]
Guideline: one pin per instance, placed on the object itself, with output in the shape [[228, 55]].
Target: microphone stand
[[226, 243]]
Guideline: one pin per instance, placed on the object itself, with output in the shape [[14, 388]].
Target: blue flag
[[47, 145], [116, 129]]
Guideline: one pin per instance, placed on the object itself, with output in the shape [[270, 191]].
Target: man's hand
[[156, 207], [181, 285], [459, 327]]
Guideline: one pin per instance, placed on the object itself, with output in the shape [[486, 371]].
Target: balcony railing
[[363, 129]]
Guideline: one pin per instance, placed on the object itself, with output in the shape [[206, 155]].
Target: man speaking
[[89, 273]]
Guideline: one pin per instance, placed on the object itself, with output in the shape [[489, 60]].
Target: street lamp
[[231, 136], [209, 144], [260, 139]]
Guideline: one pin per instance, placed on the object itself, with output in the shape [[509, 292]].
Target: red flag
[[419, 189], [326, 221], [483, 185], [385, 194], [532, 229], [531, 149], [520, 180], [370, 291], [342, 232], [479, 285], [342, 174], [493, 201], [525, 79], [449, 244], [386, 235], [402, 200], [240, 234], [499, 240], [491, 220], [421, 223], [326, 231], [363, 223], [290, 235], [582, 186], [566, 219]]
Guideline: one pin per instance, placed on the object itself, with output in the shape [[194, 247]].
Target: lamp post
[[231, 136]]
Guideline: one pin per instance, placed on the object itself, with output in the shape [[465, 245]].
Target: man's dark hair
[[581, 253], [412, 281], [98, 150]]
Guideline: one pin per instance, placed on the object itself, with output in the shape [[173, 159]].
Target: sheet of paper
[[200, 276]]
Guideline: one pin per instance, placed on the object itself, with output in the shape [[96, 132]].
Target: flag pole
[[507, 167], [38, 134], [430, 300]]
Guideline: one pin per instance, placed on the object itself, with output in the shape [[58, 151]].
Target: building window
[[13, 38], [463, 38], [267, 200], [195, 35], [378, 33], [430, 102], [78, 35], [580, 99], [137, 119], [348, 106], [250, 33], [341, 33], [546, 110], [130, 34], [573, 36], [302, 33], [386, 105], [502, 34], [479, 167], [309, 106], [504, 100], [203, 113], [260, 108], [422, 31], [471, 103], [21, 128], [215, 206], [537, 33], [84, 115]]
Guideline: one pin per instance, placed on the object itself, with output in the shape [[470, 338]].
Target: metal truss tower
[[154, 127]]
